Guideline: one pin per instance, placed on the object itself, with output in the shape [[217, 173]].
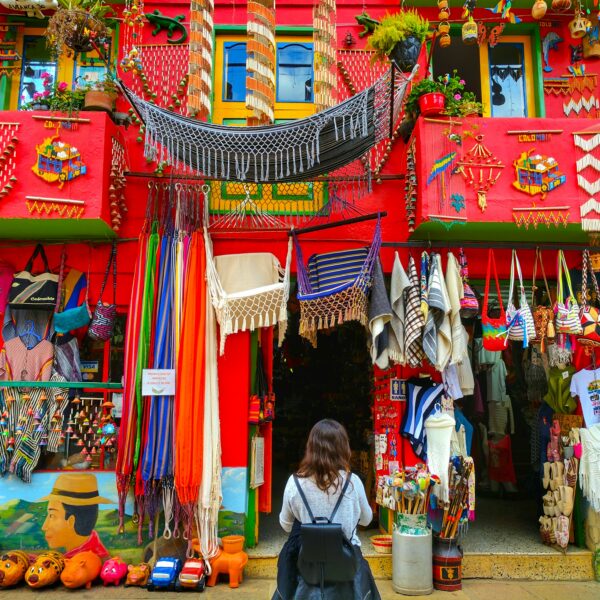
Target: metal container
[[411, 563], [447, 564]]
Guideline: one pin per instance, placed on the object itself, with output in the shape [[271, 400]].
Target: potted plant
[[426, 97], [80, 25], [58, 98], [399, 37], [102, 95]]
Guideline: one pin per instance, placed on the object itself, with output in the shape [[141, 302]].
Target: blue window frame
[[234, 75], [294, 72], [507, 80]]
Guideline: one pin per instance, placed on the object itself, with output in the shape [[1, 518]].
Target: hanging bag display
[[590, 315], [494, 329], [469, 305], [262, 404], [543, 316], [519, 321], [34, 291], [103, 321], [71, 318], [566, 309]]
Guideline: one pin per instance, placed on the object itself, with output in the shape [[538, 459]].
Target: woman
[[322, 477]]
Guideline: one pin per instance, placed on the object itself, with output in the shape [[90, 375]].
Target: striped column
[[325, 45], [201, 64]]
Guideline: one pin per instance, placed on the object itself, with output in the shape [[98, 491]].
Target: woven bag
[[494, 329], [469, 305], [589, 315], [566, 309], [519, 321], [543, 316], [103, 321]]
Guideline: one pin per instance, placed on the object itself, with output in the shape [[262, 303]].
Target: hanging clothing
[[462, 421], [424, 284], [496, 381], [501, 416], [455, 290], [66, 357], [500, 467], [451, 382], [380, 315], [585, 384], [439, 427], [589, 469], [18, 363], [414, 320], [559, 390], [32, 326], [398, 287]]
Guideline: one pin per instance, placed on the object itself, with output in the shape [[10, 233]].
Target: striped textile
[[424, 282], [334, 269], [413, 321]]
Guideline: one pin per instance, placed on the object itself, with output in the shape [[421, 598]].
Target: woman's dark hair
[[327, 452]]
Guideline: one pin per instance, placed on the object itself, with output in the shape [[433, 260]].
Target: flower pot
[[78, 29], [406, 53], [232, 544], [538, 10], [96, 100], [432, 103], [469, 32], [578, 27]]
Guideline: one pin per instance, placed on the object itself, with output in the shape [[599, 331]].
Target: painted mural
[[233, 508]]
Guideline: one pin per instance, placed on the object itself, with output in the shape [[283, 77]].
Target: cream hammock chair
[[248, 291]]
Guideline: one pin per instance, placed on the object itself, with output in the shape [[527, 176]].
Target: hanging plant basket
[[76, 29], [406, 53], [432, 103]]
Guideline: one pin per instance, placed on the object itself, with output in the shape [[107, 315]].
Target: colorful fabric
[[589, 467], [585, 384], [380, 315], [398, 286], [414, 320]]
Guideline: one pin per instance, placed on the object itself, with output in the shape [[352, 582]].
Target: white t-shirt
[[353, 510], [586, 385]]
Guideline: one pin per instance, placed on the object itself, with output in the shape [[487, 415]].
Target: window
[[507, 80], [234, 72], [294, 72], [38, 74]]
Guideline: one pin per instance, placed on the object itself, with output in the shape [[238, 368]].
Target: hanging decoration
[[590, 47], [444, 10], [325, 44], [260, 62], [481, 170], [67, 208], [534, 135], [590, 105], [503, 73], [200, 58], [8, 50], [538, 10], [550, 42], [410, 185], [569, 84], [489, 35], [536, 215], [590, 215], [133, 24], [587, 146], [468, 7], [117, 182], [441, 165], [537, 174], [58, 161], [169, 24], [504, 9], [8, 157]]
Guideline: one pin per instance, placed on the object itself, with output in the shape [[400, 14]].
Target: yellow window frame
[[484, 72]]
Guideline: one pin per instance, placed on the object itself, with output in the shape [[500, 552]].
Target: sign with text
[[158, 382]]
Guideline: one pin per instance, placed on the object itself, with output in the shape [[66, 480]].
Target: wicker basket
[[382, 543], [76, 29]]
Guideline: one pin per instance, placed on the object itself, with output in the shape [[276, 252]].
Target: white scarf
[[589, 467], [439, 427], [398, 285]]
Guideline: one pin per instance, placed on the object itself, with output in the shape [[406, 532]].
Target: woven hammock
[[247, 309], [294, 151], [334, 287]]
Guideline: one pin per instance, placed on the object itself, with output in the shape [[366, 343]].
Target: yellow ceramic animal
[[45, 570], [138, 575], [12, 567]]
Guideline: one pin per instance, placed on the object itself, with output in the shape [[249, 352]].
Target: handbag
[[589, 315], [103, 321], [566, 310], [543, 316], [262, 403], [469, 305], [34, 291], [493, 329], [71, 318], [519, 321], [326, 555]]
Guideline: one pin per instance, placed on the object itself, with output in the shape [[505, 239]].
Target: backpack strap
[[304, 500], [337, 504]]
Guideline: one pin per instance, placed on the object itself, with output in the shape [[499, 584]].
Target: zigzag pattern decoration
[[590, 223], [8, 156], [592, 188], [588, 104], [63, 210], [587, 145], [546, 216]]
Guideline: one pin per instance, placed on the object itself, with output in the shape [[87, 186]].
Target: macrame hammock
[[296, 151], [334, 287]]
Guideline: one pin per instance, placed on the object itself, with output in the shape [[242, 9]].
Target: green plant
[[107, 84], [395, 28], [59, 98], [424, 86]]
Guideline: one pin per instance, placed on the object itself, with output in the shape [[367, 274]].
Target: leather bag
[[34, 291], [493, 329], [326, 555]]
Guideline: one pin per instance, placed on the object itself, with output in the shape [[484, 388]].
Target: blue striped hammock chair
[[333, 288]]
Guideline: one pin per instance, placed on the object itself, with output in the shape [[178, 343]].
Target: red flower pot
[[432, 103]]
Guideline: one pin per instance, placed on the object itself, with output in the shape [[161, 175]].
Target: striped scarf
[[413, 323]]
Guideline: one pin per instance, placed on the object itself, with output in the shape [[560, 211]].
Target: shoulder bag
[[566, 309], [589, 316], [469, 305], [543, 316], [519, 321], [326, 554], [493, 330], [103, 321], [34, 291], [71, 318]]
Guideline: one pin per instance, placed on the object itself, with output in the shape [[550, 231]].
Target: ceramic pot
[[538, 10], [432, 103], [95, 100], [406, 53], [232, 544]]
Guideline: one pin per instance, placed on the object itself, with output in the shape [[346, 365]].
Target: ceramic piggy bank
[[113, 571], [81, 569], [138, 575], [12, 568], [45, 570]]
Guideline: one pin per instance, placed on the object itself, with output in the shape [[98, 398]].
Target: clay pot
[[469, 32], [233, 544], [444, 40], [538, 10], [95, 100]]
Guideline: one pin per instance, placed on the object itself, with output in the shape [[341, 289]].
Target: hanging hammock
[[248, 290], [294, 151], [334, 287]]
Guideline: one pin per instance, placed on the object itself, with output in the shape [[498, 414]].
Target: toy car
[[192, 576], [164, 574]]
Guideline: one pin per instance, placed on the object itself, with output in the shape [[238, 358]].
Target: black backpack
[[326, 555]]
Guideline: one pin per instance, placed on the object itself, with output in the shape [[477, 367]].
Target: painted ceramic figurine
[[80, 570], [13, 567], [137, 575], [113, 571], [45, 570]]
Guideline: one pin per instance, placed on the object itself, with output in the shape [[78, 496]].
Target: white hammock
[[248, 291]]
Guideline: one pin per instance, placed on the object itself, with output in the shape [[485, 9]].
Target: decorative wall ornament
[[325, 44], [590, 105], [58, 161], [537, 174], [481, 170], [33, 8], [8, 50], [116, 188], [169, 24], [66, 208], [550, 42], [545, 215], [489, 35], [590, 215], [8, 157], [503, 8], [410, 185], [534, 135], [587, 144], [200, 58], [133, 26]]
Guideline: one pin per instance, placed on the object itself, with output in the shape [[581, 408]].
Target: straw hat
[[77, 490]]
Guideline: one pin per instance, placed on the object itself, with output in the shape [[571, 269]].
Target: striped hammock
[[333, 288]]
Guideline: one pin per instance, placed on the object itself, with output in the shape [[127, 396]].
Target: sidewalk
[[262, 589]]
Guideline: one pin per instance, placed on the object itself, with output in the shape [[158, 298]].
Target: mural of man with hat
[[72, 515]]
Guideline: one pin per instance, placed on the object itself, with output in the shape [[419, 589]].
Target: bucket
[[447, 564], [432, 103], [411, 562]]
